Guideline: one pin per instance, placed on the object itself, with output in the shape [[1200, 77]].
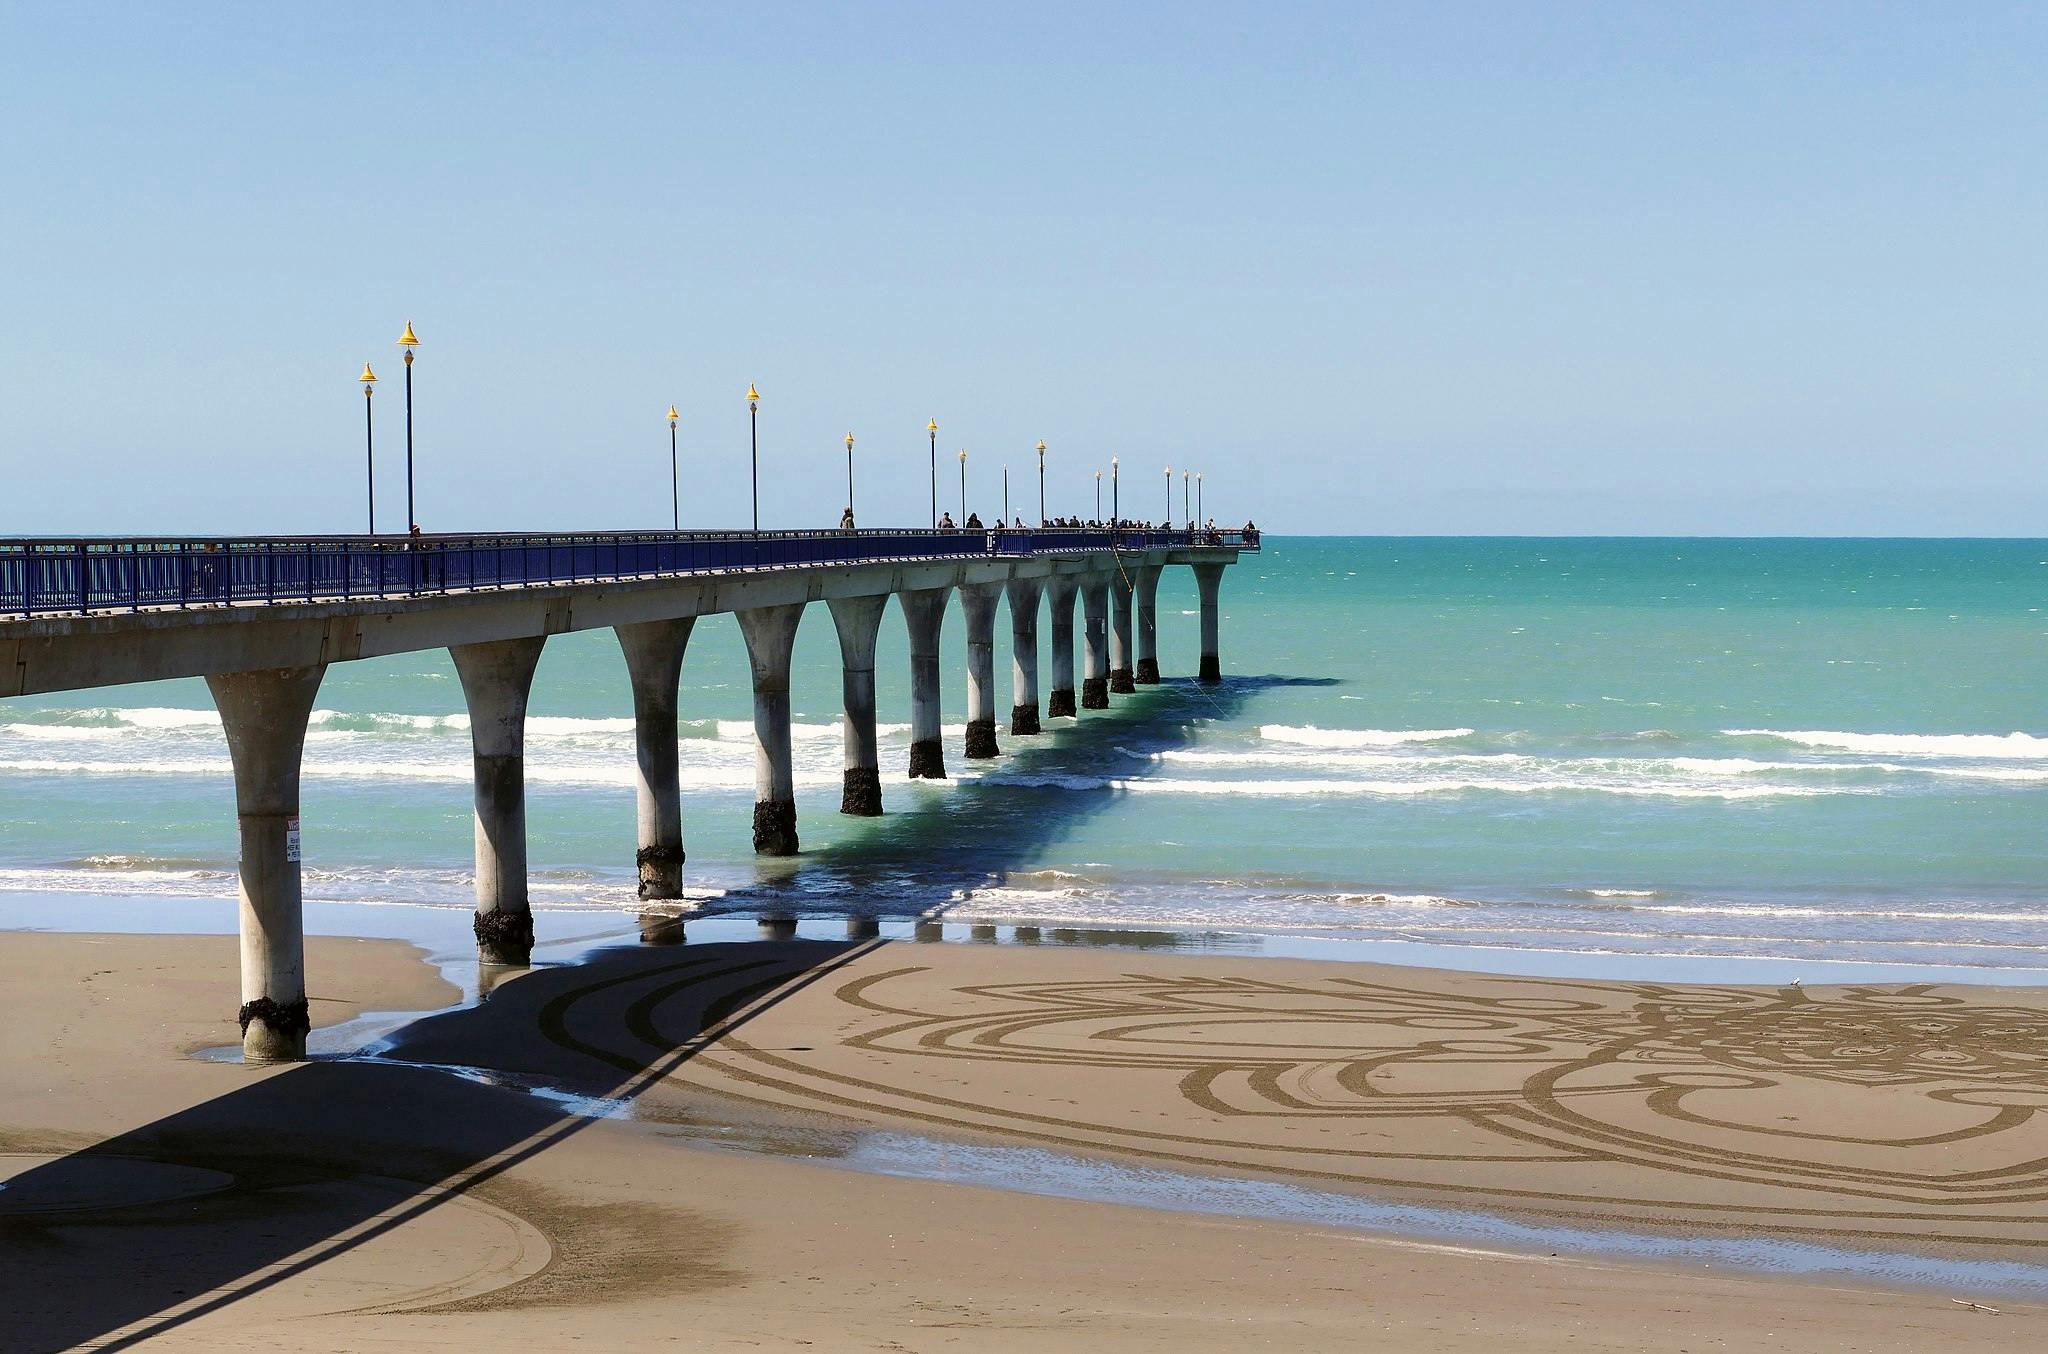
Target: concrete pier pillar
[[1120, 632], [863, 928], [770, 632], [924, 613], [1023, 594], [1147, 579], [264, 714], [1095, 642], [654, 665], [978, 606], [1060, 598], [662, 928], [1208, 578], [496, 679], [858, 619]]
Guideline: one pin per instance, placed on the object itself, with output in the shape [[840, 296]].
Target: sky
[[1370, 268]]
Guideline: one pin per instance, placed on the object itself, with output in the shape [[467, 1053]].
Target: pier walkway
[[261, 620]]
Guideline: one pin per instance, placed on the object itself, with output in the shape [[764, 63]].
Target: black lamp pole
[[408, 342], [675, 479], [963, 486], [933, 428], [754, 432], [849, 472], [369, 379]]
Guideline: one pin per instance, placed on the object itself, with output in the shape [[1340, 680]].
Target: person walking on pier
[[946, 522]]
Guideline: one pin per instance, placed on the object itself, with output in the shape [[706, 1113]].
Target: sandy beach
[[346, 1204]]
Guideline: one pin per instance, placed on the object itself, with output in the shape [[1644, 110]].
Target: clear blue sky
[[1634, 268]]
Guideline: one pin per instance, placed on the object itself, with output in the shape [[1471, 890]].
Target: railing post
[[184, 572], [309, 571], [84, 587], [134, 580], [269, 571]]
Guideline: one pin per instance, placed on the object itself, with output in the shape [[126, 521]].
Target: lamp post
[[1186, 503], [369, 380], [408, 342], [1115, 497], [675, 479], [1200, 516], [1041, 481], [754, 435], [1169, 498], [1006, 491], [932, 428], [1098, 496], [963, 487], [849, 473]]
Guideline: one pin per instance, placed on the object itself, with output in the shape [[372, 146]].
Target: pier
[[262, 619]]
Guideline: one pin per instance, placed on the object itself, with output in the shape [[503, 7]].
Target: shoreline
[[676, 1127], [445, 927]]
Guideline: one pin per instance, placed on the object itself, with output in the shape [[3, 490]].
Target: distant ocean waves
[[1234, 790], [1270, 761]]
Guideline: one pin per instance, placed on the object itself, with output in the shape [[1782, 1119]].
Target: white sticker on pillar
[[291, 839]]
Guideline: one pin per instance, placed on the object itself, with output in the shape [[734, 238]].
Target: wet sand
[[356, 1204]]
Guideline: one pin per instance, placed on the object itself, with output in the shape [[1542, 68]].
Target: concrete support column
[[924, 612], [496, 678], [858, 619], [1060, 596], [264, 714], [654, 665], [1120, 632], [1023, 597], [1208, 578], [770, 632], [1147, 577], [978, 606], [1095, 649]]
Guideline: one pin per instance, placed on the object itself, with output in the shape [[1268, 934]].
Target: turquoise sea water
[[1825, 750]]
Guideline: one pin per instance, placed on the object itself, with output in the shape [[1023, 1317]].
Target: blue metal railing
[[103, 574]]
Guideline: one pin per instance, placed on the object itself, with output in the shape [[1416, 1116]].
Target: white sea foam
[[1400, 789], [2011, 745], [1311, 736]]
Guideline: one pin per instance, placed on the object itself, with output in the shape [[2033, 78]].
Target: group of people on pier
[[1203, 535]]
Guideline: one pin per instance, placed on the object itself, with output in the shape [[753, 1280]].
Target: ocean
[[1829, 751]]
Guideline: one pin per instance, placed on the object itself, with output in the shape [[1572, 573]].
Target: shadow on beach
[[320, 1158]]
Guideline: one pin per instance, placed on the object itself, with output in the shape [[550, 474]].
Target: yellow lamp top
[[1113, 463], [753, 395], [672, 416], [406, 340], [368, 377], [1041, 448], [849, 441], [932, 426], [963, 455]]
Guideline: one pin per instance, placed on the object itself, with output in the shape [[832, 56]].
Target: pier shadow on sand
[[126, 1239]]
